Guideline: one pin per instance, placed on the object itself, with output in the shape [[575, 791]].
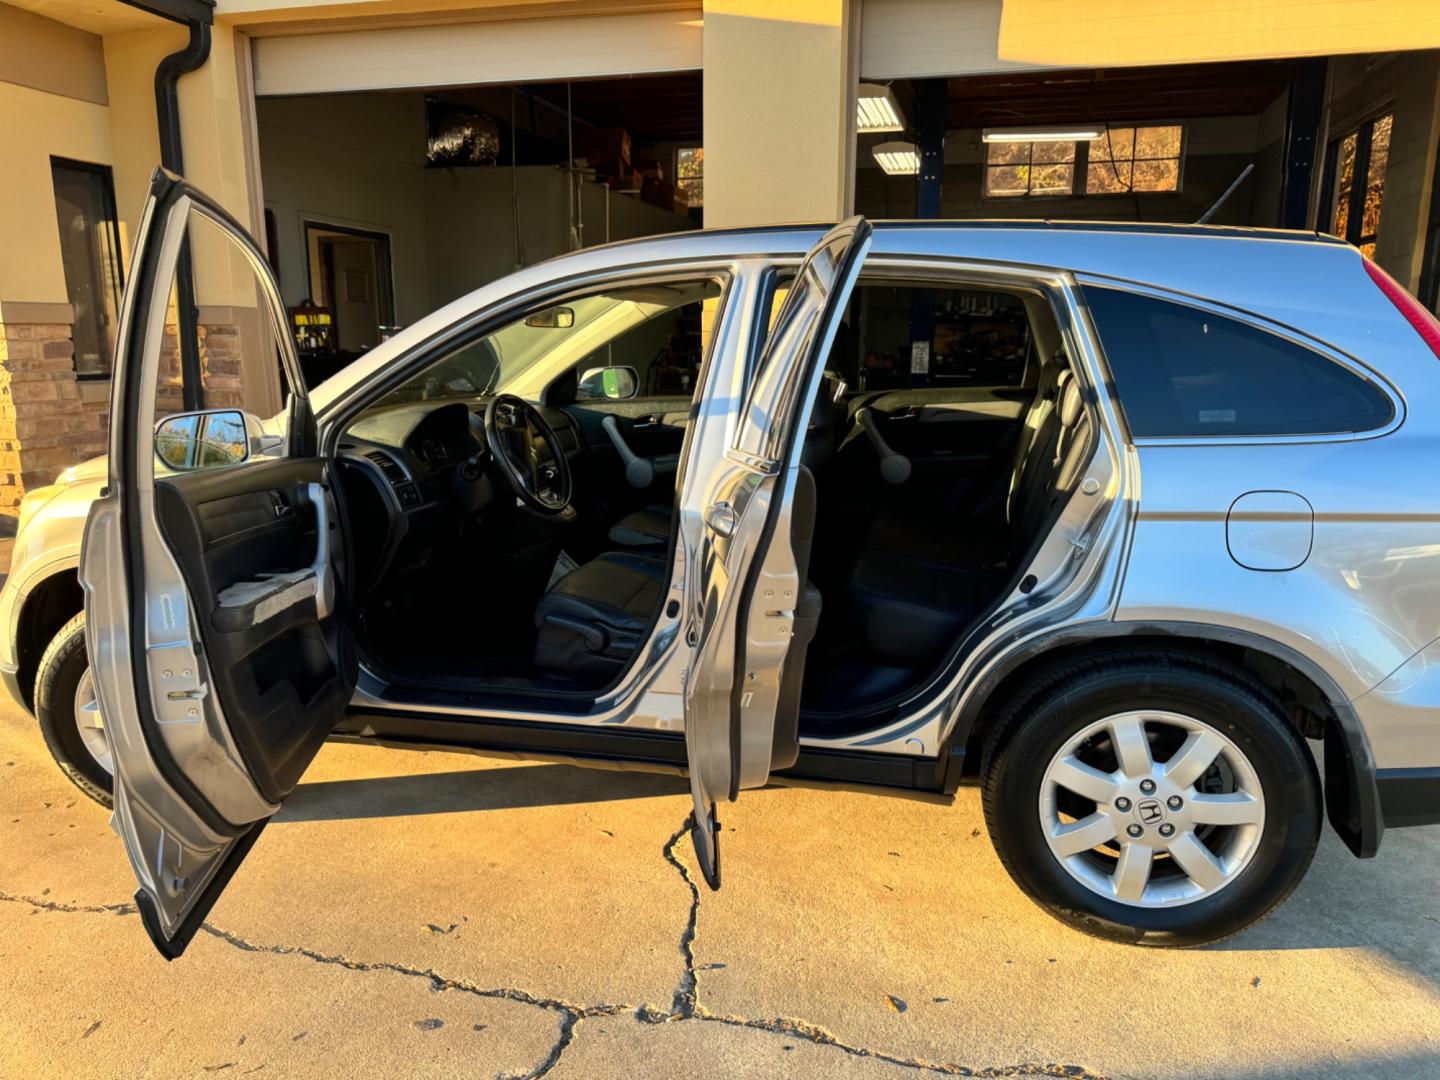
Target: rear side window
[[1181, 371]]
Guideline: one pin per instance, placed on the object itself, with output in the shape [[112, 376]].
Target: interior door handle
[[722, 519]]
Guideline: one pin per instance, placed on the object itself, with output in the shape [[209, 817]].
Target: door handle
[[722, 519]]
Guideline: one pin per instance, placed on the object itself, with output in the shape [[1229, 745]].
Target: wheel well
[[50, 605], [1305, 705]]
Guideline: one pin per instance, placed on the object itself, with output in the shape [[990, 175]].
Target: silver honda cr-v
[[1111, 519]]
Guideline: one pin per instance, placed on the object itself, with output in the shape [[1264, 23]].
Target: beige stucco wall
[[36, 125], [48, 55], [779, 89], [1096, 33]]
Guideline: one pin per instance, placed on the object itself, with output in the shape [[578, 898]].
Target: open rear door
[[214, 587], [743, 583]]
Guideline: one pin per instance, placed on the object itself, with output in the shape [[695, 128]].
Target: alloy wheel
[[90, 724], [1152, 809]]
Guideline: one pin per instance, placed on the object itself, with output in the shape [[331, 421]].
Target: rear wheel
[[69, 715], [1153, 798]]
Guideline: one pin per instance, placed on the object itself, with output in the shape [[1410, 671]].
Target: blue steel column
[[930, 99], [1304, 114]]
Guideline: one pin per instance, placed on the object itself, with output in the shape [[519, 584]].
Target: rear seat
[[983, 542], [914, 607]]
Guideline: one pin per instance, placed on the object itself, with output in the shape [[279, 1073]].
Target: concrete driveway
[[434, 914]]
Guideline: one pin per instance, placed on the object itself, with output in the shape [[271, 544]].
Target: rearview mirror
[[555, 318], [611, 383], [206, 440]]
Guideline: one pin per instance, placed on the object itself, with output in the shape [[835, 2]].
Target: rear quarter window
[[1183, 371]]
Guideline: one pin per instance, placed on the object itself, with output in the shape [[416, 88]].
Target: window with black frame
[[90, 255], [1355, 183]]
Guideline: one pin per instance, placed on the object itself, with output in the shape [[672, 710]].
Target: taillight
[[1425, 324]]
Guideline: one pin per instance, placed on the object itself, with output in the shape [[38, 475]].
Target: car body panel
[[1402, 712], [1360, 607]]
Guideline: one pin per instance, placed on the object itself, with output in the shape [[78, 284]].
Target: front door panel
[[214, 598], [743, 581]]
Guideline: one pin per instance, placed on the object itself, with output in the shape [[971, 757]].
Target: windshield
[[523, 357]]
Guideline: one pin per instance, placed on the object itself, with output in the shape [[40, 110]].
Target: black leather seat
[[915, 604], [646, 529], [595, 617]]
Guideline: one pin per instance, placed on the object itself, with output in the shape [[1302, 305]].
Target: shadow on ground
[[467, 790]]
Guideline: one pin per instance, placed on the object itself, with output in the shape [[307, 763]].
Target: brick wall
[[48, 424], [220, 366], [44, 425]]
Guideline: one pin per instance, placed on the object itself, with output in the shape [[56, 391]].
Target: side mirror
[[185, 442], [611, 383], [555, 318]]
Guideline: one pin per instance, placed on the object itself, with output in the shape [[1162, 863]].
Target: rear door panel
[[743, 584]]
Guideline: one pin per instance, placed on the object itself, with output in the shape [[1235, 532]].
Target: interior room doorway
[[351, 275]]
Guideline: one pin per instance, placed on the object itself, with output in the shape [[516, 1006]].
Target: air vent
[[405, 491]]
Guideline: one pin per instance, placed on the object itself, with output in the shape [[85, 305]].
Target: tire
[[62, 667], [1084, 708]]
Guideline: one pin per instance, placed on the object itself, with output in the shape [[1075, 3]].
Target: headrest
[[1071, 405], [1053, 376]]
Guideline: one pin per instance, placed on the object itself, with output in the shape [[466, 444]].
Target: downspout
[[167, 113]]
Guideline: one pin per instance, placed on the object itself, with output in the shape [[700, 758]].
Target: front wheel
[[1158, 799], [69, 715]]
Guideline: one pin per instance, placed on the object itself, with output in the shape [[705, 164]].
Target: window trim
[[1281, 330], [1081, 170], [112, 223]]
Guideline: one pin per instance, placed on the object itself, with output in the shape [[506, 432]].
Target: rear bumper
[[1409, 796]]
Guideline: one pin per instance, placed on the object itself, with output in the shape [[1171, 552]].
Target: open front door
[[214, 587], [744, 580]]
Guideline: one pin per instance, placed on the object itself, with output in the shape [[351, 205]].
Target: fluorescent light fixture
[[898, 158], [877, 110], [1073, 133]]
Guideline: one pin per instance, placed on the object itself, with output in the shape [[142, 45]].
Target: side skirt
[[655, 751]]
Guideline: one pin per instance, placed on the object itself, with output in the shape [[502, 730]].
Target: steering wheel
[[529, 453]]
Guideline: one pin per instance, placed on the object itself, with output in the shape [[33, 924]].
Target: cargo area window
[[1182, 371]]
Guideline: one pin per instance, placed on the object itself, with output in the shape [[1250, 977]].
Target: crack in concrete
[[687, 994], [688, 1006], [79, 909], [570, 1013], [685, 1003]]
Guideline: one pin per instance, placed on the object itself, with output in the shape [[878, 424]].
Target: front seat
[[649, 529], [595, 617]]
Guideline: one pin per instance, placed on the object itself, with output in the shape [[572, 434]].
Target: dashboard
[[416, 470]]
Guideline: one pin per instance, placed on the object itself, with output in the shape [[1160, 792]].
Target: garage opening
[[383, 205], [1124, 144]]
